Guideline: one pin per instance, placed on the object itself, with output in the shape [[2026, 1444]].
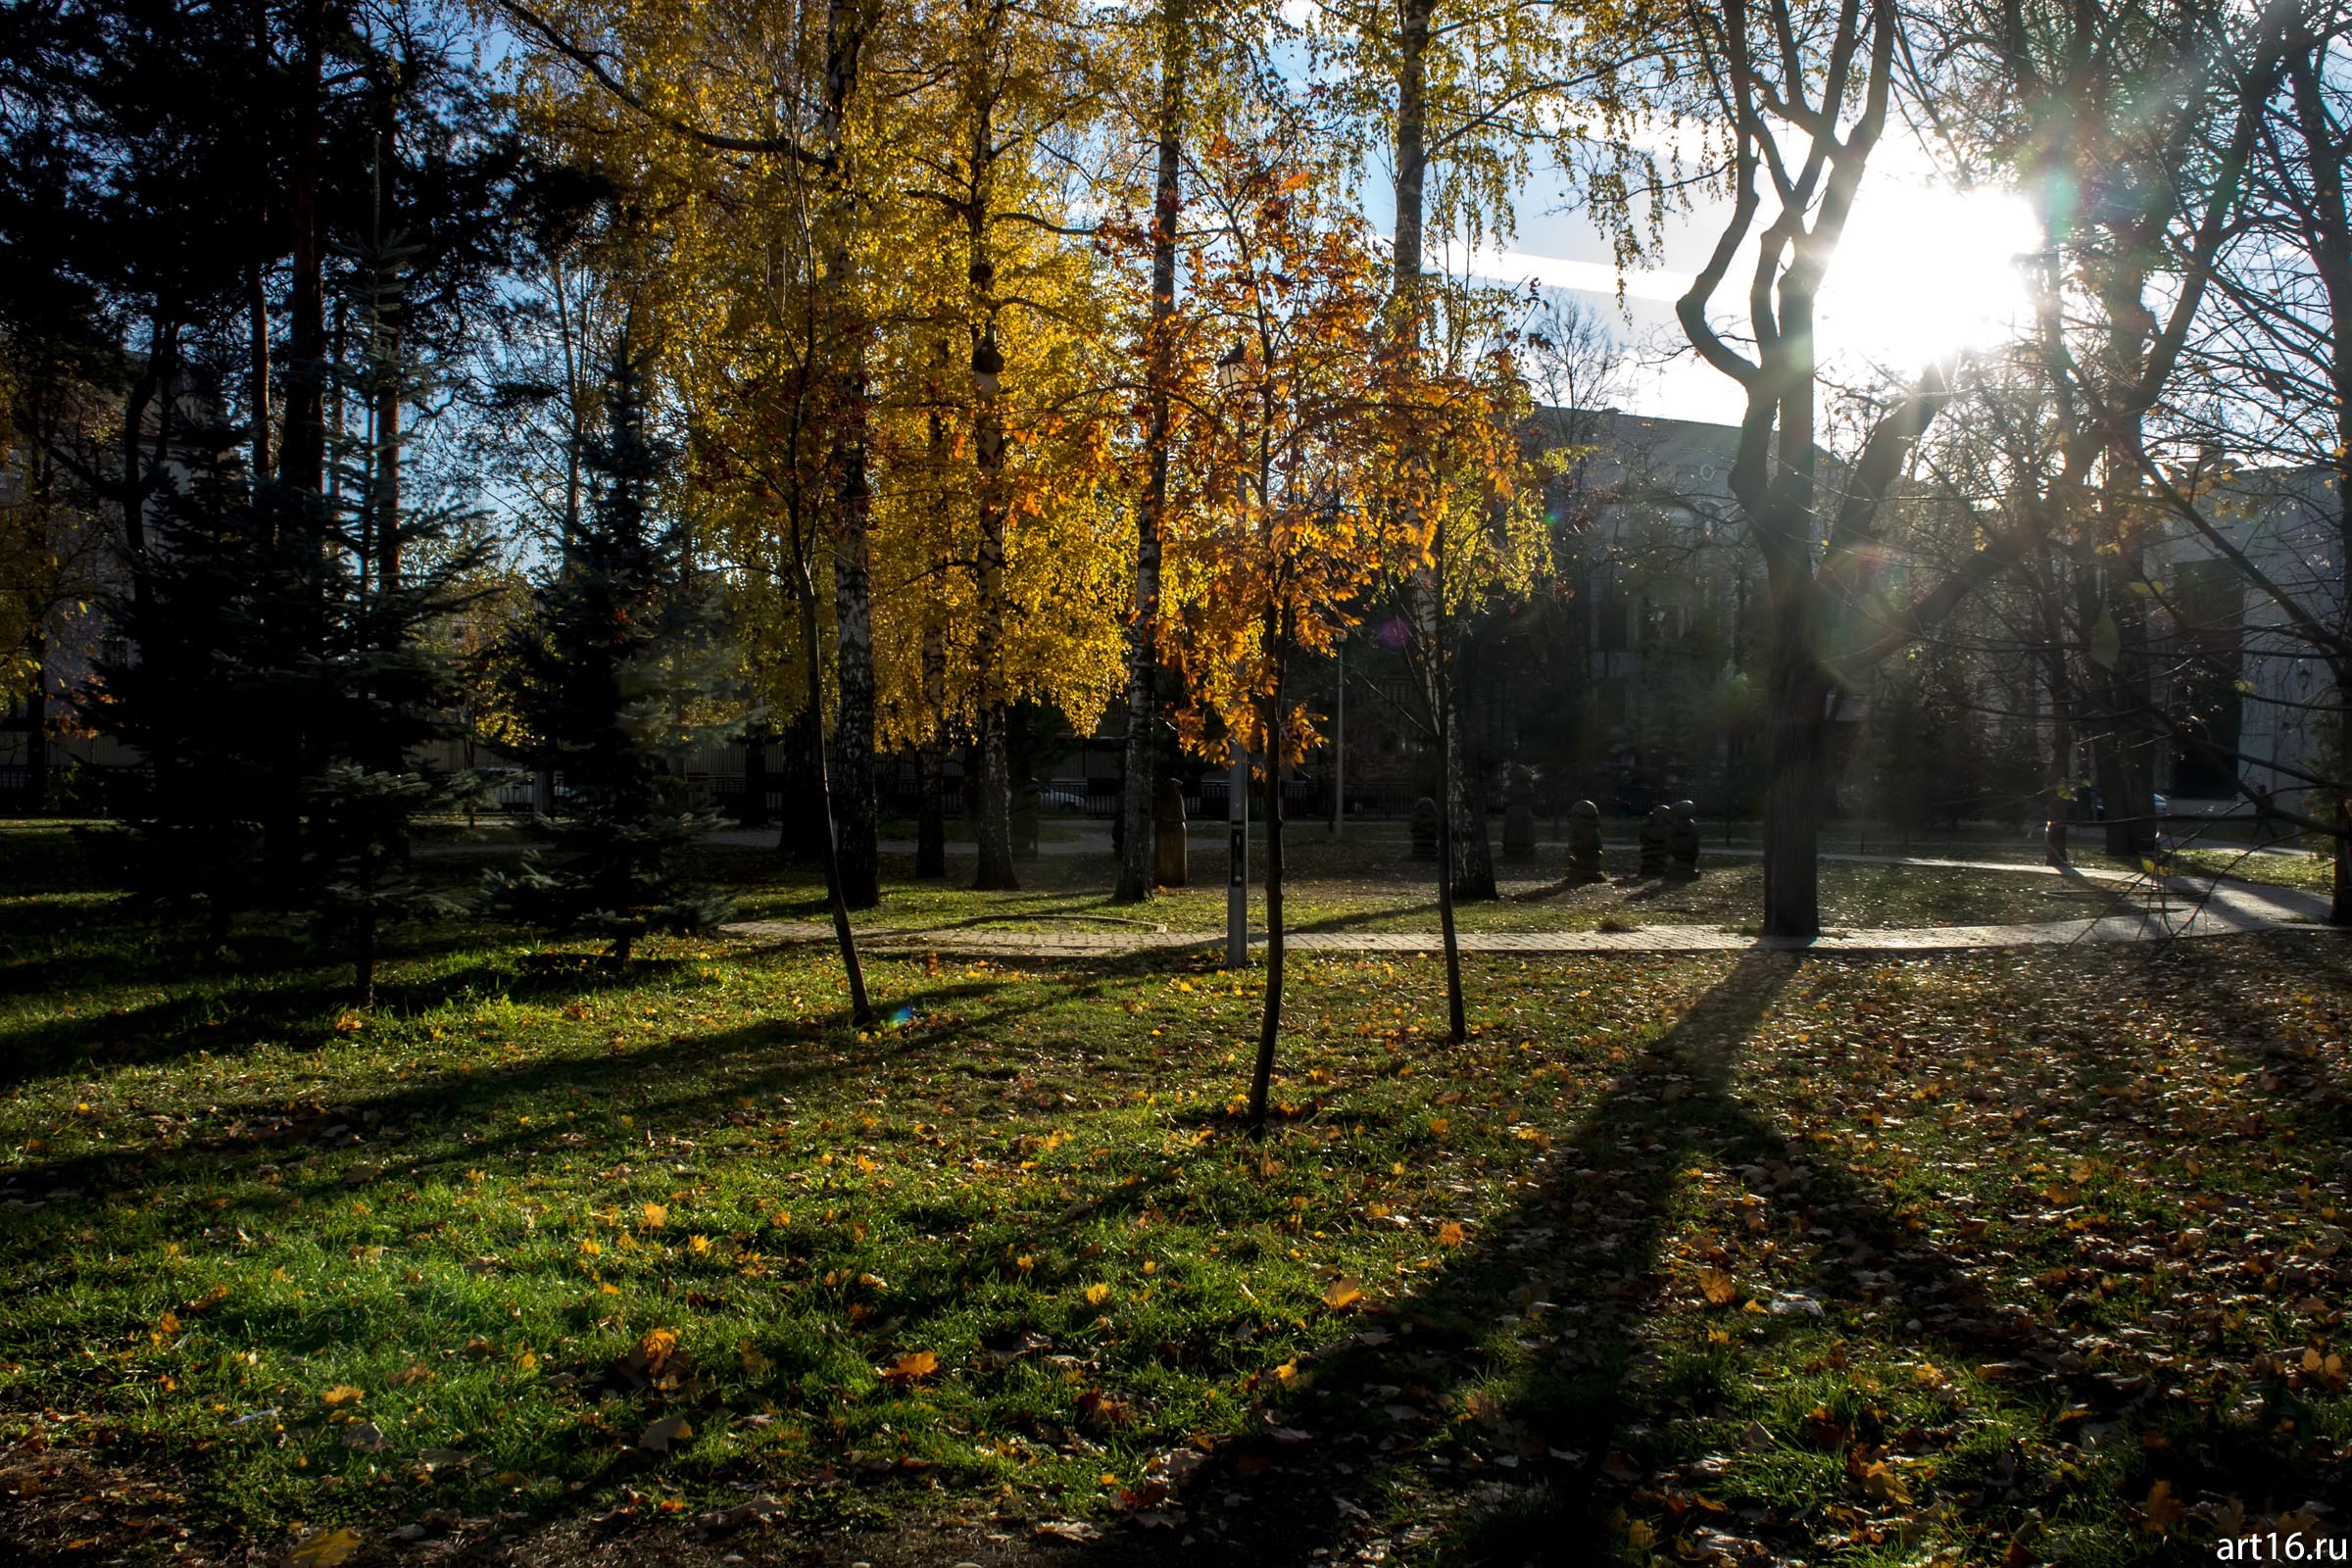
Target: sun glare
[[1926, 269]]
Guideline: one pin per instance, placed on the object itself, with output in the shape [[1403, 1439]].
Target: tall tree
[[620, 666]]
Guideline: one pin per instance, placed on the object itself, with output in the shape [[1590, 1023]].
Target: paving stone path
[[2181, 906]]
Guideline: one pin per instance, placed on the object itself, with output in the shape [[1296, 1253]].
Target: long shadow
[[257, 1003], [1586, 1242], [1356, 919], [712, 1071]]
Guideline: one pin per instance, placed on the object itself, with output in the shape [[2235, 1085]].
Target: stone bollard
[[1684, 838], [1519, 814], [1657, 840], [1425, 829], [1584, 842], [1026, 805], [1171, 861]]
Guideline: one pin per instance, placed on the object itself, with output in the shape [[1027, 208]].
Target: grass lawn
[[2312, 872], [1371, 883], [2029, 1257]]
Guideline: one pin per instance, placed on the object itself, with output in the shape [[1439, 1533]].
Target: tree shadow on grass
[[242, 1004], [418, 1124], [1377, 1431]]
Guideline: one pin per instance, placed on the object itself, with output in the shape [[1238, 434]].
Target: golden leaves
[[2162, 1510], [1719, 1288], [1343, 1292], [654, 1351], [910, 1367], [327, 1548], [342, 1394]]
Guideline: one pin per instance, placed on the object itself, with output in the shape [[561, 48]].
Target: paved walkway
[[2185, 907]]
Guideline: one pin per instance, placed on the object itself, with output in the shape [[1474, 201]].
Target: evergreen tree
[[618, 670], [380, 685], [213, 691]]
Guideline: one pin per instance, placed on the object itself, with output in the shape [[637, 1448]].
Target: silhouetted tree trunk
[[1136, 838]]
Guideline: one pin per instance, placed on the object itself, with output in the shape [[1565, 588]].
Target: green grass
[[1865, 1261], [1373, 884], [2312, 872]]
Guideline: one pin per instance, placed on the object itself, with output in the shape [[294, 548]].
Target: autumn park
[[1130, 783]]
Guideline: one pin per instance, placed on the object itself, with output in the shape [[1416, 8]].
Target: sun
[[1926, 269]]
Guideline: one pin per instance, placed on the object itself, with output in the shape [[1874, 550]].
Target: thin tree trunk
[[387, 324], [364, 954], [931, 824], [1412, 143], [854, 649], [994, 830], [303, 463], [1458, 1025], [1269, 1023], [1137, 823], [1472, 857], [861, 1013], [36, 727], [847, 24]]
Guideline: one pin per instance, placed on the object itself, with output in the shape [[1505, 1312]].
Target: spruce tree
[[214, 683], [380, 687], [620, 669]]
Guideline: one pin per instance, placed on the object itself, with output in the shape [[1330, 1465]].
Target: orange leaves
[[2162, 1510], [1343, 1292], [1718, 1288], [654, 1351], [910, 1367]]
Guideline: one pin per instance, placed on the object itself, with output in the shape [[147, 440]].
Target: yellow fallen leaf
[[910, 1367], [1096, 1294], [656, 1347], [1450, 1234], [1883, 1484], [2162, 1510], [1719, 1288], [656, 1216], [325, 1548], [341, 1393], [1341, 1293]]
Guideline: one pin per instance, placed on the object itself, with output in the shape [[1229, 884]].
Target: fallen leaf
[[1450, 1234], [1341, 1293], [658, 1437], [2162, 1510], [340, 1394], [1719, 1288], [324, 1549], [910, 1367]]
